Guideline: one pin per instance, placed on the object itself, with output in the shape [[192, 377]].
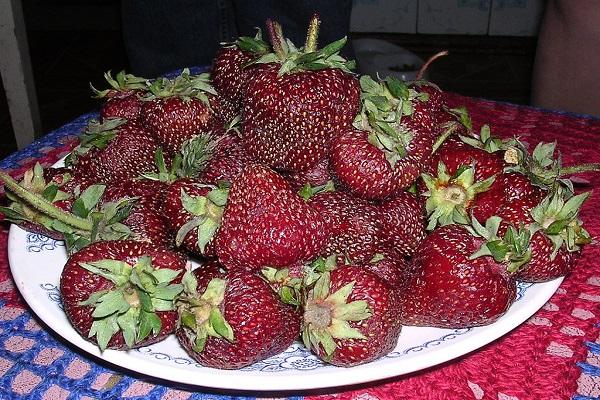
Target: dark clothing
[[164, 35]]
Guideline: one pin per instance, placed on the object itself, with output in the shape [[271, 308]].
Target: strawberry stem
[[276, 38], [428, 62], [44, 206], [575, 169], [310, 45]]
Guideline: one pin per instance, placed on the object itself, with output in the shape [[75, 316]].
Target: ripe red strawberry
[[403, 223], [247, 323], [55, 186], [226, 161], [351, 317], [228, 73], [194, 211], [100, 155], [390, 266], [317, 175], [88, 219], [297, 101], [383, 154], [353, 224], [266, 224], [146, 220], [120, 294], [455, 153], [177, 110], [451, 290], [555, 234], [123, 96]]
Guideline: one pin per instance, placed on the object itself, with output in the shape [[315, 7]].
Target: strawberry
[[177, 110], [350, 317], [53, 185], [266, 224], [382, 154], [229, 320], [454, 154], [402, 223], [226, 161], [353, 224], [194, 211], [391, 266], [88, 220], [99, 156], [296, 102], [317, 175], [120, 294], [449, 289], [146, 219], [123, 96], [554, 232], [228, 70]]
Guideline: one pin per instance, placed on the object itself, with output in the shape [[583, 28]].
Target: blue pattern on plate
[[36, 243]]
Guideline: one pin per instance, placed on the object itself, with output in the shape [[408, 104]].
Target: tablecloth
[[554, 355]]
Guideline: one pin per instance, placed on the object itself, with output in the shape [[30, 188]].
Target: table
[[554, 355]]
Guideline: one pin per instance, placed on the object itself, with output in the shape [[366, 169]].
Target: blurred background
[[491, 42]]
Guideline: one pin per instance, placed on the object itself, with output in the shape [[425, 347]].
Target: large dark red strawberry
[[120, 294], [178, 109], [391, 266], [266, 224], [297, 101], [87, 220], [354, 225], [351, 317], [226, 161], [451, 290], [317, 175], [194, 211], [232, 319], [123, 96], [383, 154], [114, 151], [555, 234], [228, 72], [147, 220], [54, 186], [455, 153], [402, 223]]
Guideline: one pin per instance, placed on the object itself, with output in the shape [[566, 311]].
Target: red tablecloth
[[554, 355]]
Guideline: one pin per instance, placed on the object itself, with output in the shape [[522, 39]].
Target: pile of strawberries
[[318, 203]]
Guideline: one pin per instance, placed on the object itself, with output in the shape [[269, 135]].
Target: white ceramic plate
[[37, 261]]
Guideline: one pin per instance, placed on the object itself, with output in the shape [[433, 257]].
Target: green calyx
[[185, 86], [449, 197], [206, 212], [96, 135], [87, 222], [485, 141], [314, 270], [383, 105], [289, 287], [201, 316], [140, 291], [122, 82], [513, 249], [308, 191], [306, 58], [557, 216], [542, 166], [254, 45], [194, 156], [327, 317]]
